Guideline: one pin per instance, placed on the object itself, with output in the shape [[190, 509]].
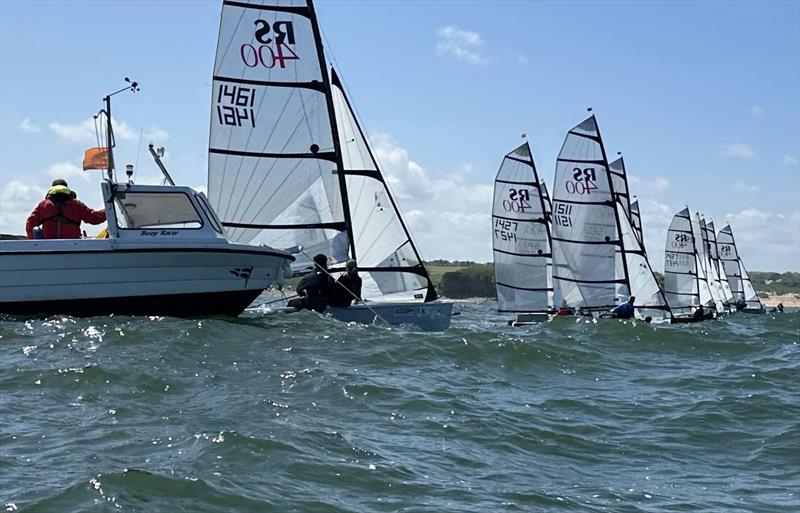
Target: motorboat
[[164, 252]]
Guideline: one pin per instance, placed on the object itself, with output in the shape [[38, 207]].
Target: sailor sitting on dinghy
[[60, 214], [623, 311], [347, 287], [314, 288]]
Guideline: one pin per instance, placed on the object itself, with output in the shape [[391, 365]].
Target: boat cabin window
[[156, 210]]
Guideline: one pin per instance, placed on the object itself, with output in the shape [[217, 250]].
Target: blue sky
[[702, 98]]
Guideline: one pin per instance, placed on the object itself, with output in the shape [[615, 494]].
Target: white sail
[[585, 230], [387, 258], [727, 294], [711, 270], [706, 295], [521, 237], [730, 261], [750, 294], [741, 286], [636, 221], [650, 300], [619, 182], [681, 286], [272, 156]]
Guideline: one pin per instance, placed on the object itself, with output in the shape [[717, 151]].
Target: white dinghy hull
[[431, 316]]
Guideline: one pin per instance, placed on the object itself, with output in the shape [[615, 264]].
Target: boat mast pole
[[545, 221], [133, 86], [337, 148], [614, 206], [696, 256]]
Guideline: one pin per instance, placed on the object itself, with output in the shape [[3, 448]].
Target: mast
[[337, 148], [616, 214], [696, 257], [545, 220]]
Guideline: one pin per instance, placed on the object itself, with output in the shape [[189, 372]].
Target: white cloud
[[17, 199], [742, 187], [788, 160], [656, 218], [739, 150], [757, 110], [84, 132], [657, 184], [465, 45], [67, 170], [28, 126], [448, 218], [156, 134], [766, 241], [522, 59]]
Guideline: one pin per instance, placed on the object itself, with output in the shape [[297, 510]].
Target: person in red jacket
[[60, 214]]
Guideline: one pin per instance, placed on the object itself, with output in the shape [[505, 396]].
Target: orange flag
[[95, 158]]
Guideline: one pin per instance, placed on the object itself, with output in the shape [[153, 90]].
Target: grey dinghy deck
[[430, 316]]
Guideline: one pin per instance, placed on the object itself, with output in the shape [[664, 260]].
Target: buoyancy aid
[[59, 195]]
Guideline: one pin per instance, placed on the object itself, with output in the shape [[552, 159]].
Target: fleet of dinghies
[[290, 168], [583, 251]]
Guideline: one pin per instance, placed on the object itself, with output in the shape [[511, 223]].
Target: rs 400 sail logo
[[584, 181], [273, 45]]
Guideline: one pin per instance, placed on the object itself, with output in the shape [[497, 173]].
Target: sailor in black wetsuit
[[347, 288], [314, 289]]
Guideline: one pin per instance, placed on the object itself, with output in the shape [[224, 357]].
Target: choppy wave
[[302, 413]]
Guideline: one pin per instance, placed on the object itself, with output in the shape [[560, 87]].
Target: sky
[[701, 98]]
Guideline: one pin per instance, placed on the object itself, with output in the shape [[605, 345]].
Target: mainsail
[[681, 285], [284, 147], [727, 294], [272, 150], [585, 230], [521, 236]]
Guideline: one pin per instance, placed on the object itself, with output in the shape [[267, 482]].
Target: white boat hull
[[432, 316], [99, 277]]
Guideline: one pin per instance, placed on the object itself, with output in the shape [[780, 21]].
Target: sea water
[[302, 413]]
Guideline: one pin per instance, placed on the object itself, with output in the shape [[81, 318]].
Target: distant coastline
[[465, 279]]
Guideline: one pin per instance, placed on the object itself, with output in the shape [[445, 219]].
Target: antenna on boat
[[132, 86], [588, 109], [157, 154]]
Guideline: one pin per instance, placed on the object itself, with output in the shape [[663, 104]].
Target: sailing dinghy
[[521, 240], [685, 285], [727, 293], [598, 261], [745, 294], [290, 166]]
